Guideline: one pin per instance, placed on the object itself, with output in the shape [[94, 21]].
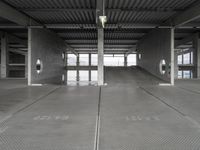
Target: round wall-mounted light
[[63, 77], [162, 66], [63, 55], [39, 66], [169, 70], [139, 56]]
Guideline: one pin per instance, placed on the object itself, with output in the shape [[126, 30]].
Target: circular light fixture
[[139, 56], [63, 55], [162, 66], [39, 66], [63, 77]]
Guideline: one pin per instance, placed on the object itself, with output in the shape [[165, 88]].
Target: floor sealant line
[[184, 115], [27, 106], [188, 90], [98, 120], [162, 101]]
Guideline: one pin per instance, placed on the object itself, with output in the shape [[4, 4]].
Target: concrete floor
[[131, 113]]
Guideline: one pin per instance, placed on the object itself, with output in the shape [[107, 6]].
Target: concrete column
[[90, 64], [100, 56], [172, 56], [191, 73], [100, 11], [26, 66], [66, 67], [4, 55], [175, 65], [77, 66], [196, 56], [29, 56], [125, 60]]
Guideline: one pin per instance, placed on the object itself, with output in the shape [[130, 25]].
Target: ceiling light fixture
[[103, 20]]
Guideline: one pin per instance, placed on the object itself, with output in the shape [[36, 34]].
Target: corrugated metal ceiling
[[63, 17], [52, 3], [158, 4], [121, 4], [4, 21], [131, 10], [126, 12]]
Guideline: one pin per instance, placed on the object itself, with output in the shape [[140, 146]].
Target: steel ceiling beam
[[131, 50], [85, 26], [106, 31], [69, 48], [105, 52], [16, 39], [106, 44], [94, 10], [127, 25], [111, 48], [107, 26], [185, 40], [18, 51], [13, 15], [82, 39], [95, 41], [185, 17]]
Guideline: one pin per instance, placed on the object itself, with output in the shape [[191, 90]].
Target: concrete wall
[[154, 47], [48, 47]]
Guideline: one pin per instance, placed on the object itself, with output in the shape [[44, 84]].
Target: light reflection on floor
[[81, 78], [82, 83]]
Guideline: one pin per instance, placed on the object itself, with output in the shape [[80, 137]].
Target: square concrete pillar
[[77, 65], [125, 60], [172, 57], [100, 56], [90, 64], [65, 66], [175, 65], [4, 55], [196, 56], [26, 66]]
